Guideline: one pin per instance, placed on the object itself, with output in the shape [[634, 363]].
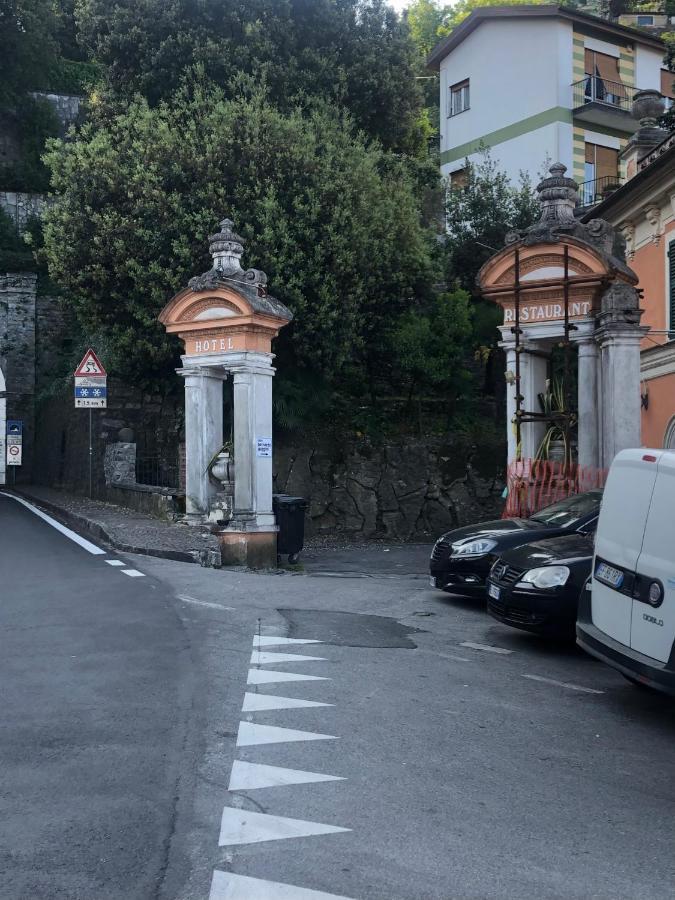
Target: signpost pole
[[91, 455], [91, 392]]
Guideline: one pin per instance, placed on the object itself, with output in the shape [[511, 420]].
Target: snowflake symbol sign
[[96, 392], [84, 392]]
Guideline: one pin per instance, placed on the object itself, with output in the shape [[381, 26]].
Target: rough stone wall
[[17, 356], [63, 433], [66, 106], [403, 491], [21, 207]]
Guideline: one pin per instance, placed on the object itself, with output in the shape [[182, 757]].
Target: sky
[[398, 4]]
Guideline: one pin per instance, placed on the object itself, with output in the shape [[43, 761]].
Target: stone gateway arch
[[227, 320]]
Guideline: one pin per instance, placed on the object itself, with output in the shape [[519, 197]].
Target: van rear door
[[618, 542], [653, 627]]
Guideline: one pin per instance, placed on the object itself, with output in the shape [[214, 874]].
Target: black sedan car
[[536, 586], [461, 560]]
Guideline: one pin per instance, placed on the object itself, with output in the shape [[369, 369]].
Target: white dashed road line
[[472, 646], [205, 603], [564, 684], [133, 573], [114, 562]]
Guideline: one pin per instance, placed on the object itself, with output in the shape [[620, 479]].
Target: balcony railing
[[592, 192], [594, 89]]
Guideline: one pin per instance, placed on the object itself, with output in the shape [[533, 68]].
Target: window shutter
[[671, 290]]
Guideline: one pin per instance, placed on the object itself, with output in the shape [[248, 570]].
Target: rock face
[[401, 491]]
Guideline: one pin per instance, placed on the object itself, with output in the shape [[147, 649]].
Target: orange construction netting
[[533, 484]]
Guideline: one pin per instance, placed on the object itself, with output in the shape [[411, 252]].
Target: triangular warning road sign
[[90, 365]]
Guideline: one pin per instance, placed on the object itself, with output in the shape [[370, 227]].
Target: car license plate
[[494, 591], [609, 575]]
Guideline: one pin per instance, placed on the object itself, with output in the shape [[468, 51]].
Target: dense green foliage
[[354, 53], [333, 220], [15, 253], [309, 123], [480, 214], [32, 124]]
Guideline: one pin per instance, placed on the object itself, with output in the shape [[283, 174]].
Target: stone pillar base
[[256, 549]]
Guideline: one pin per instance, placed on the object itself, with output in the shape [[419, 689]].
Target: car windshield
[[566, 513]]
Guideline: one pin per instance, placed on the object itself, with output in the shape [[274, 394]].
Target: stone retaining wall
[[413, 490]]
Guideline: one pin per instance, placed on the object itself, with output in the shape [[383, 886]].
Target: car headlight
[[546, 577], [478, 547]]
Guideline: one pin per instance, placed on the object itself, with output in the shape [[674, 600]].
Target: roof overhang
[[531, 11]]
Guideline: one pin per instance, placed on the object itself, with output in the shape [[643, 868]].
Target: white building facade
[[537, 84]]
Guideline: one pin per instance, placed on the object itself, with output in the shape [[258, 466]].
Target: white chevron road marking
[[250, 735], [263, 702], [268, 640], [248, 776], [240, 826], [228, 886], [263, 657], [266, 676]]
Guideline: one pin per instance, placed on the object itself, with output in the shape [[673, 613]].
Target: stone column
[[3, 428], [620, 364], [252, 382], [587, 402], [511, 390], [203, 436], [533, 375]]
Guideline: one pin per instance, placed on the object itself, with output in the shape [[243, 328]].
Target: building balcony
[[595, 191], [600, 102]]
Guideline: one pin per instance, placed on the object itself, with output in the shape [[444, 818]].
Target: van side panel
[[653, 628], [618, 541]]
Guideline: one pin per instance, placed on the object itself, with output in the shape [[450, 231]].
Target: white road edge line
[[133, 573], [486, 647], [203, 603], [71, 535], [564, 684]]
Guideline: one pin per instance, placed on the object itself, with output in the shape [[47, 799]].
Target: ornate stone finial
[[226, 248], [648, 107], [557, 196]]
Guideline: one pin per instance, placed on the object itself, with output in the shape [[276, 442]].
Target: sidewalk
[[124, 529], [133, 532]]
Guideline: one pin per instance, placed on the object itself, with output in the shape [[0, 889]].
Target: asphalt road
[[96, 684], [466, 760]]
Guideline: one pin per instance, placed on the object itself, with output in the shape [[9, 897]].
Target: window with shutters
[[671, 291], [603, 79]]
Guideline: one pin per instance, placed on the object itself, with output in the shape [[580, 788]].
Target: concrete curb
[[79, 523]]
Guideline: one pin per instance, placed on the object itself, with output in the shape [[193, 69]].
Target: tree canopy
[[354, 53], [333, 219]]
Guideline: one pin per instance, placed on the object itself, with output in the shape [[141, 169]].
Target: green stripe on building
[[532, 123]]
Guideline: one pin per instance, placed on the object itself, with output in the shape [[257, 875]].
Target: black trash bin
[[290, 515]]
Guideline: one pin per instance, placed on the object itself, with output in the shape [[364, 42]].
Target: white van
[[627, 618]]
